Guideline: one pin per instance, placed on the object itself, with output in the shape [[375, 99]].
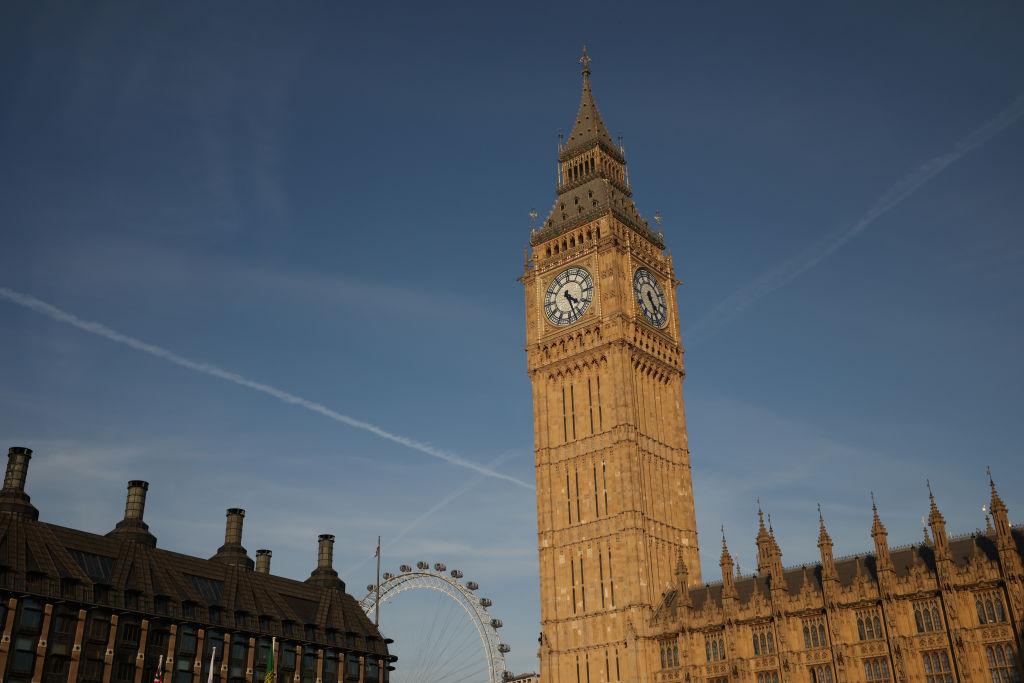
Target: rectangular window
[[1002, 663], [821, 674], [611, 586], [129, 633], [869, 625], [877, 670], [583, 586], [714, 646], [768, 677], [990, 607], [814, 633], [31, 615], [565, 428], [579, 515], [590, 404], [600, 575], [568, 496], [600, 417], [669, 654], [572, 569], [937, 667], [604, 481], [927, 616], [24, 657], [764, 640], [572, 407]]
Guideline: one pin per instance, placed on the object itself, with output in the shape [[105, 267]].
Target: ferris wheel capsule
[[392, 585]]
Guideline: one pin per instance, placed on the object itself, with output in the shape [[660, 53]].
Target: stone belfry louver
[[615, 510]]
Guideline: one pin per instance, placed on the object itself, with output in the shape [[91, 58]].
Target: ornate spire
[[877, 528], [726, 558], [996, 504], [823, 537], [588, 128], [762, 533], [934, 516]]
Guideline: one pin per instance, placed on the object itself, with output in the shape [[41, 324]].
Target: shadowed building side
[[81, 607]]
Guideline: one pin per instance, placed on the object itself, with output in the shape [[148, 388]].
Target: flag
[[159, 677], [377, 554], [269, 676], [213, 660]]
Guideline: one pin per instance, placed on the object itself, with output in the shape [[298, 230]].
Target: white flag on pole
[[213, 660]]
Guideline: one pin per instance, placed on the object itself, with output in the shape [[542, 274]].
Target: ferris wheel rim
[[426, 578]]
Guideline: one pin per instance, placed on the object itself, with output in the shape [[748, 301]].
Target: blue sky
[[332, 201]]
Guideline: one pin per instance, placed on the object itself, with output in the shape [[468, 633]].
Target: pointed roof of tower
[[726, 558], [996, 504], [934, 516], [876, 526], [681, 563], [762, 533], [589, 128], [823, 537]]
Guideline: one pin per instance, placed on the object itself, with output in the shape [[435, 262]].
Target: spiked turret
[[828, 563], [589, 128], [879, 533], [592, 178], [938, 524], [725, 562], [682, 581]]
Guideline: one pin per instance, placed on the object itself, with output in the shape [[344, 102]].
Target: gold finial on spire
[[657, 218], [585, 61], [533, 217]]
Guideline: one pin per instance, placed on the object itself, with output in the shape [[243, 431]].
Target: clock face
[[650, 297], [568, 296]]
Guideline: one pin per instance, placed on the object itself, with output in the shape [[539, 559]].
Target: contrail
[[57, 314], [467, 485], [789, 270]]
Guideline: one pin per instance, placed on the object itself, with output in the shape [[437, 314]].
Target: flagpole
[[376, 603]]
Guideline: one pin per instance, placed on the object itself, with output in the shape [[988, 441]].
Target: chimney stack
[[232, 552], [263, 561], [136, 503], [13, 499], [325, 558], [233, 530], [132, 528], [324, 574]]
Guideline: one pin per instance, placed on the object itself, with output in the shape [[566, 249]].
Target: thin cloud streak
[[39, 306], [782, 275], [466, 486]]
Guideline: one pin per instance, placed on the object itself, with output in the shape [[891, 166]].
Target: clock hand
[[571, 299]]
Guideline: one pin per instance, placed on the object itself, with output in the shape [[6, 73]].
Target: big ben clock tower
[[615, 512]]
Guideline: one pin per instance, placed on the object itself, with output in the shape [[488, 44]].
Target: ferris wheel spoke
[[445, 636]]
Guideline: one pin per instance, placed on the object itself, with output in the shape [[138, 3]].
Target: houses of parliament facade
[[622, 597]]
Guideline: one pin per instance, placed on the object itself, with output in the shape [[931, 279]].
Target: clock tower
[[615, 513]]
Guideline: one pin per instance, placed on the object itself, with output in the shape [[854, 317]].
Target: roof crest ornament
[[585, 61]]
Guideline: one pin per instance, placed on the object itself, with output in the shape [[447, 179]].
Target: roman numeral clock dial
[[650, 297], [568, 296]]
